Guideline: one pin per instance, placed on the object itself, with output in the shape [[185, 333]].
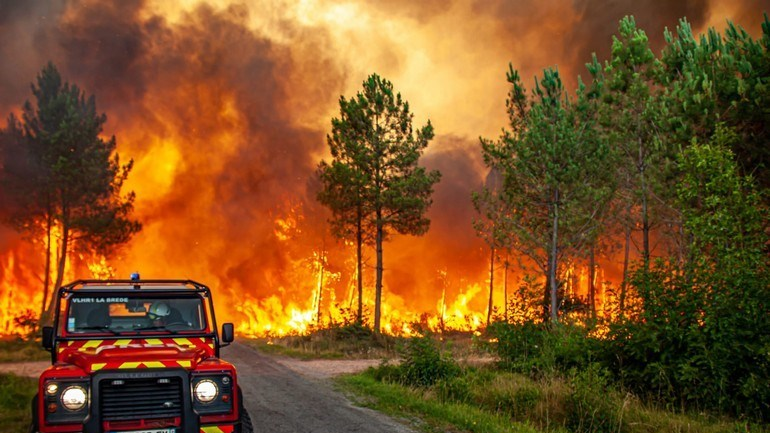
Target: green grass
[[489, 400], [22, 351], [15, 396], [434, 415]]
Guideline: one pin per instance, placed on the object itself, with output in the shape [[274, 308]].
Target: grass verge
[[490, 401], [15, 396], [22, 351], [434, 415]]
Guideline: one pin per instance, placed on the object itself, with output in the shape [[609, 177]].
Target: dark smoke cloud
[[544, 34], [191, 82], [23, 25], [451, 240]]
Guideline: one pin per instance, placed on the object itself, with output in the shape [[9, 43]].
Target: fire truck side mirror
[[48, 337], [228, 335]]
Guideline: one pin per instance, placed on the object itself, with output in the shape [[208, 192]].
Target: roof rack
[[122, 284]]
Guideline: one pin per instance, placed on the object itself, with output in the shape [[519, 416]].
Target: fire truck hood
[[118, 355]]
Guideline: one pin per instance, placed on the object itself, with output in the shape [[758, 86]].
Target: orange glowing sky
[[224, 107]]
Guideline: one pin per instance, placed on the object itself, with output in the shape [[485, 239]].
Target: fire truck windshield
[[121, 312]]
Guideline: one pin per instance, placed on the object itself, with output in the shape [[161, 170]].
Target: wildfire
[[224, 110], [18, 304]]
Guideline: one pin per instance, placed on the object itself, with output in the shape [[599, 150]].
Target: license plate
[[160, 430]]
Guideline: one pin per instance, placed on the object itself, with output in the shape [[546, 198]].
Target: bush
[[455, 389], [424, 364], [699, 345], [592, 405], [540, 348]]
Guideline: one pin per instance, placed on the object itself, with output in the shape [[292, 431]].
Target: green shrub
[[540, 348], [455, 389], [424, 364], [592, 406], [524, 401]]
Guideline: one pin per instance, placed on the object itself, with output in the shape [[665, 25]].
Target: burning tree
[[62, 179], [373, 184]]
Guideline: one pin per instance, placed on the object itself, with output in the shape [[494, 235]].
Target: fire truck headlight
[[73, 398], [206, 391], [51, 388]]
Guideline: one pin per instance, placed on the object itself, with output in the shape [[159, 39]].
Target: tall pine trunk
[[552, 260], [491, 282], [62, 262], [320, 286], [359, 266], [645, 210], [47, 275], [591, 278], [505, 285], [378, 284], [624, 283]]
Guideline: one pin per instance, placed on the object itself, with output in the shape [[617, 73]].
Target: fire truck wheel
[[246, 426], [33, 425]]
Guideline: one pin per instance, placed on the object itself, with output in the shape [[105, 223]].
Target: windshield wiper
[[98, 328], [154, 328]]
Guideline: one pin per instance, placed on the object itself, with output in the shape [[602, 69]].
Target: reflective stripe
[[92, 343], [142, 364], [121, 343], [98, 366], [217, 429], [185, 364], [154, 341], [183, 342]]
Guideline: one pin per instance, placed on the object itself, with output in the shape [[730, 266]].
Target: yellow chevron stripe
[[97, 366], [183, 342], [211, 429], [91, 343], [154, 341], [153, 364], [122, 343], [185, 364], [129, 365]]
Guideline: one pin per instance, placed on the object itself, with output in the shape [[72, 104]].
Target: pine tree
[[631, 115], [374, 185], [556, 181], [65, 176]]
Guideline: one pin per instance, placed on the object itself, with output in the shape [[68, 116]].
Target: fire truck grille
[[131, 399]]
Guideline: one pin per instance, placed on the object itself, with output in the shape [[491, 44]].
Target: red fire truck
[[137, 356]]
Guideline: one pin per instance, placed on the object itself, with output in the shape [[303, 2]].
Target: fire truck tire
[[33, 425], [245, 420], [246, 426]]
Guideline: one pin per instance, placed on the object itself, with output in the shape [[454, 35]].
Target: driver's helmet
[[159, 310]]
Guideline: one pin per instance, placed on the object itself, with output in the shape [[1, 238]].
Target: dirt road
[[281, 399], [285, 395]]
